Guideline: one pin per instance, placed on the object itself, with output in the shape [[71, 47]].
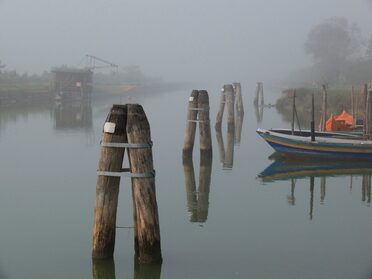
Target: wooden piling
[[353, 111], [312, 124], [324, 108], [221, 146], [238, 98], [293, 110], [322, 188], [230, 101], [107, 189], [311, 197], [262, 95], [204, 125], [367, 118], [146, 220], [192, 113], [221, 108]]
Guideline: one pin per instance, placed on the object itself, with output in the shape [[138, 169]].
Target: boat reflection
[[293, 170]]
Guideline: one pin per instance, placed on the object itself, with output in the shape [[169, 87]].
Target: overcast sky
[[178, 40]]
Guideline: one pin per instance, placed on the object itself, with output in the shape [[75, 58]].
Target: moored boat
[[326, 145]]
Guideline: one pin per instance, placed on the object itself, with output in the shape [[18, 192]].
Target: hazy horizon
[[191, 41]]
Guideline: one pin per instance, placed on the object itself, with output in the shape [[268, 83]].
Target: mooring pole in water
[[262, 95], [230, 101], [255, 101], [126, 127], [192, 114], [367, 117], [204, 126], [107, 189], [312, 124], [220, 109], [238, 98], [353, 111], [229, 154], [145, 208], [238, 127], [293, 110], [324, 108]]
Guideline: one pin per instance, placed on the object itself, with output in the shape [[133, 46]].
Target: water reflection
[[259, 113], [146, 271], [73, 115], [105, 269], [233, 137], [197, 201], [292, 170]]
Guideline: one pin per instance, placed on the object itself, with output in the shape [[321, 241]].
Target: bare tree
[[331, 43]]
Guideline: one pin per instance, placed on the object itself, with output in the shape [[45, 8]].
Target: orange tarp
[[341, 122]]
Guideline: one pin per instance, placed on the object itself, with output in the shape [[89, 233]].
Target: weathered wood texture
[[107, 188], [103, 269], [146, 219], [238, 98], [221, 146], [221, 108], [188, 143], [204, 125], [230, 101], [229, 154], [324, 108], [367, 118]]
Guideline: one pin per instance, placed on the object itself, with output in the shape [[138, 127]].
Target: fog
[[179, 40]]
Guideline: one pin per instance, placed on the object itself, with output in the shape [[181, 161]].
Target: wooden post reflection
[[190, 184], [291, 199], [103, 269], [221, 146], [238, 127], [311, 196], [322, 188], [198, 201], [146, 271], [366, 188], [204, 188], [229, 154]]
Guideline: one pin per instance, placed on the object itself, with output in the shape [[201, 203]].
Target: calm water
[[238, 226]]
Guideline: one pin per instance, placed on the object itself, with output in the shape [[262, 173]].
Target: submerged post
[[107, 189], [204, 125], [192, 113], [145, 208]]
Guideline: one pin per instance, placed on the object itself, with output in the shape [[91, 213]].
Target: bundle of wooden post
[[198, 112], [126, 127], [228, 98]]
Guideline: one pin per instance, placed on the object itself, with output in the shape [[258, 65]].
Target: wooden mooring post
[[198, 112], [259, 95], [221, 108], [127, 127], [192, 114], [238, 98], [107, 189], [324, 108], [230, 101], [103, 269]]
